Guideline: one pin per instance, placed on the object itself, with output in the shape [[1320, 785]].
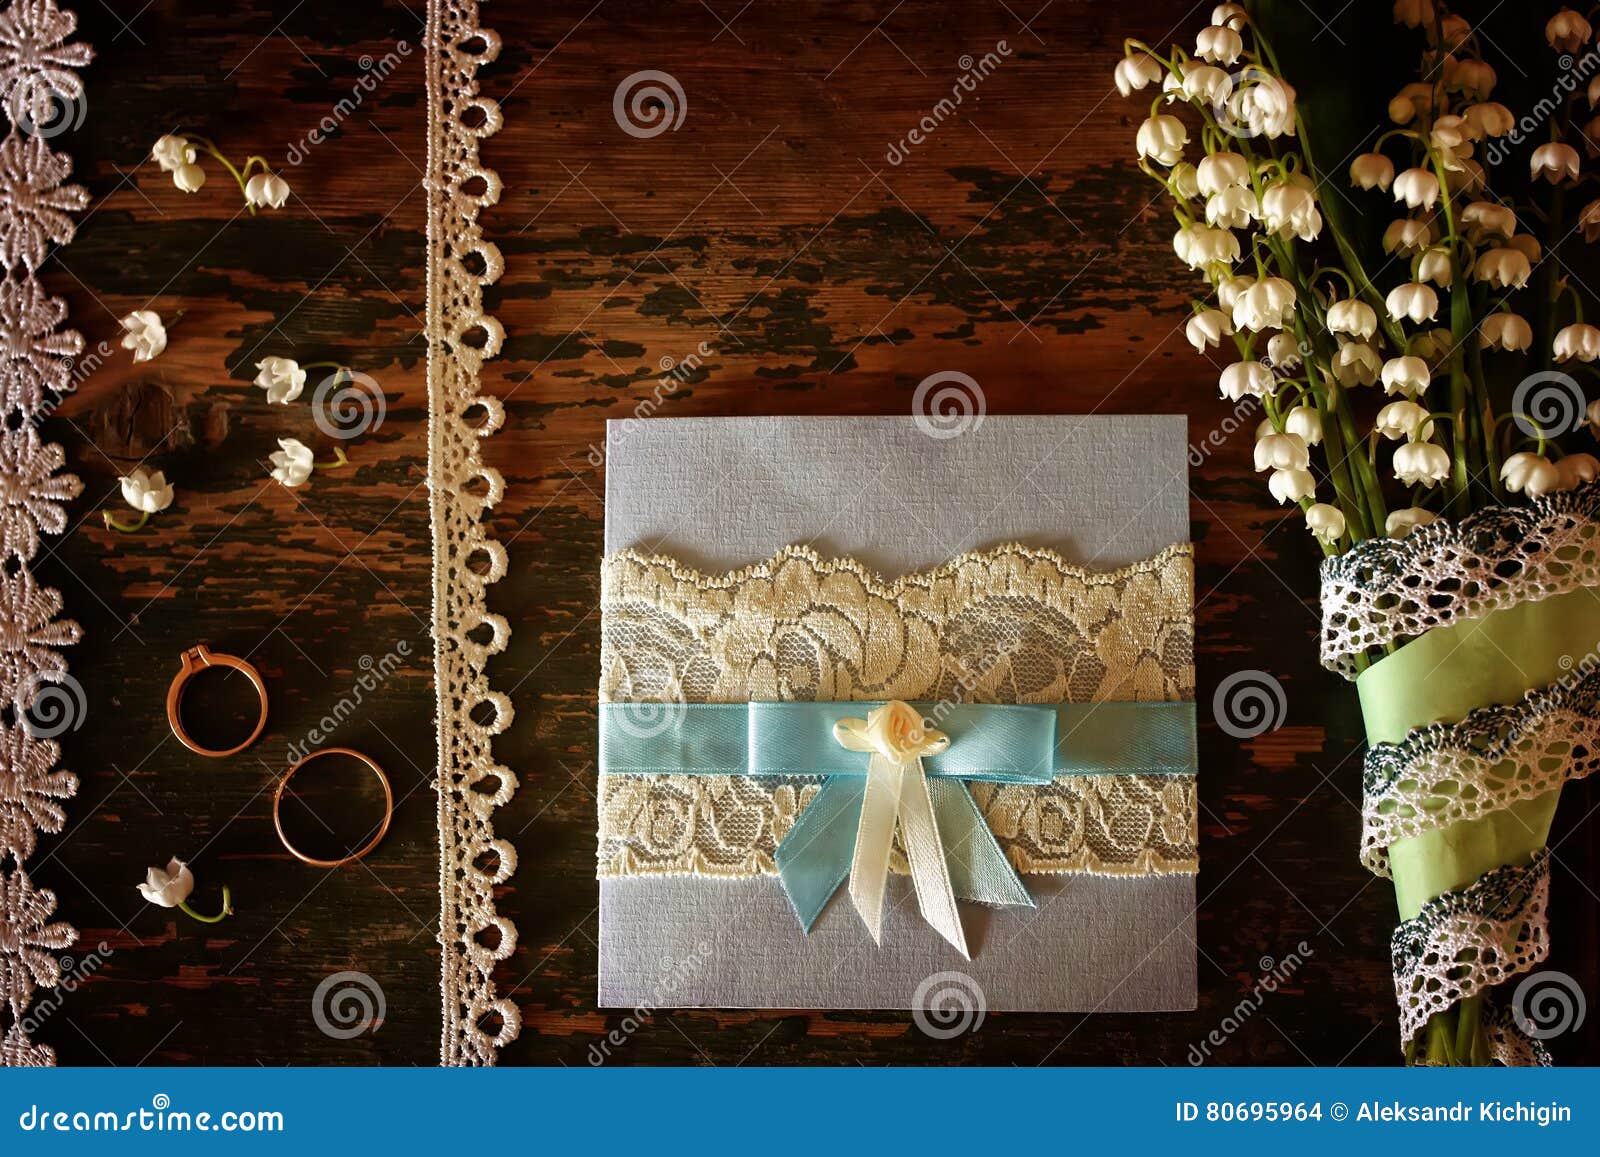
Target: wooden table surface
[[1018, 243]]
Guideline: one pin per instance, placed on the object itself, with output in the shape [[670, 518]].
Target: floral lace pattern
[[1465, 942], [1446, 773], [36, 213], [1009, 625], [1384, 590], [462, 490]]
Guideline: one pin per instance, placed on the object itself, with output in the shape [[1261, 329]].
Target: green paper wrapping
[[1439, 678]]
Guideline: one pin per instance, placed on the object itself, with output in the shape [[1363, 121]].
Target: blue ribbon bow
[[995, 743]]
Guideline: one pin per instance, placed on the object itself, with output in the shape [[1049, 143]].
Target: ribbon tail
[[979, 869], [814, 858], [869, 868], [930, 874]]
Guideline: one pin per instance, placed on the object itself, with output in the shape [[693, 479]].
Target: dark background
[[1020, 244]]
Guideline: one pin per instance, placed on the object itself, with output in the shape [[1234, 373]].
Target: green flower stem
[[238, 177], [339, 460], [227, 909], [112, 523]]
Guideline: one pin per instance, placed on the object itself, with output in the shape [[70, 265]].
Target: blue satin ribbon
[[995, 743]]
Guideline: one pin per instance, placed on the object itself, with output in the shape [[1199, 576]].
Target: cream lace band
[[1008, 625]]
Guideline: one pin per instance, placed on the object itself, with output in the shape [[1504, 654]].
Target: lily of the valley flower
[[1326, 522], [1503, 268], [146, 491], [1284, 352], [1206, 83], [1489, 118], [1506, 331], [1356, 364], [1483, 219], [1580, 342], [1291, 485], [1530, 474], [1291, 208], [1421, 464], [1413, 301], [1243, 379], [1405, 375], [1406, 420], [1268, 304], [1589, 221], [1219, 44], [1435, 265], [172, 888], [1555, 162], [1161, 138], [1201, 246], [1372, 171], [1413, 13], [1403, 521], [1231, 208], [177, 156], [1135, 71], [1305, 421], [1232, 15], [282, 378], [1418, 188], [144, 334], [1473, 77], [1567, 31], [1219, 171], [1266, 106], [1207, 328], [1410, 102], [1355, 318], [292, 462], [1184, 180], [1408, 235], [1576, 469], [1282, 452], [267, 190]]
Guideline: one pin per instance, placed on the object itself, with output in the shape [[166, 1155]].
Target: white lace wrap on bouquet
[[1008, 625], [462, 490], [1465, 942], [1388, 590], [39, 94], [1451, 772]]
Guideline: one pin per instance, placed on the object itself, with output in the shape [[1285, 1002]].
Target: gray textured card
[[719, 493]]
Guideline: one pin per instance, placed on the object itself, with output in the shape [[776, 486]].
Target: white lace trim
[[1447, 773], [1386, 590], [36, 215], [462, 489], [1466, 942]]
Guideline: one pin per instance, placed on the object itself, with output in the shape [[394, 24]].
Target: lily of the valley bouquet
[[1407, 323]]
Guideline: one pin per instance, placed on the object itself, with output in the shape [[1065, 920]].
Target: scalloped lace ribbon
[[1386, 590], [1463, 943], [462, 489], [1008, 625], [1450, 772], [38, 88]]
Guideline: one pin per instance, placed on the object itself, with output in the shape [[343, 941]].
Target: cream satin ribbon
[[897, 792]]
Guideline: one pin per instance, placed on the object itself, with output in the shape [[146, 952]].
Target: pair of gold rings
[[197, 659]]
